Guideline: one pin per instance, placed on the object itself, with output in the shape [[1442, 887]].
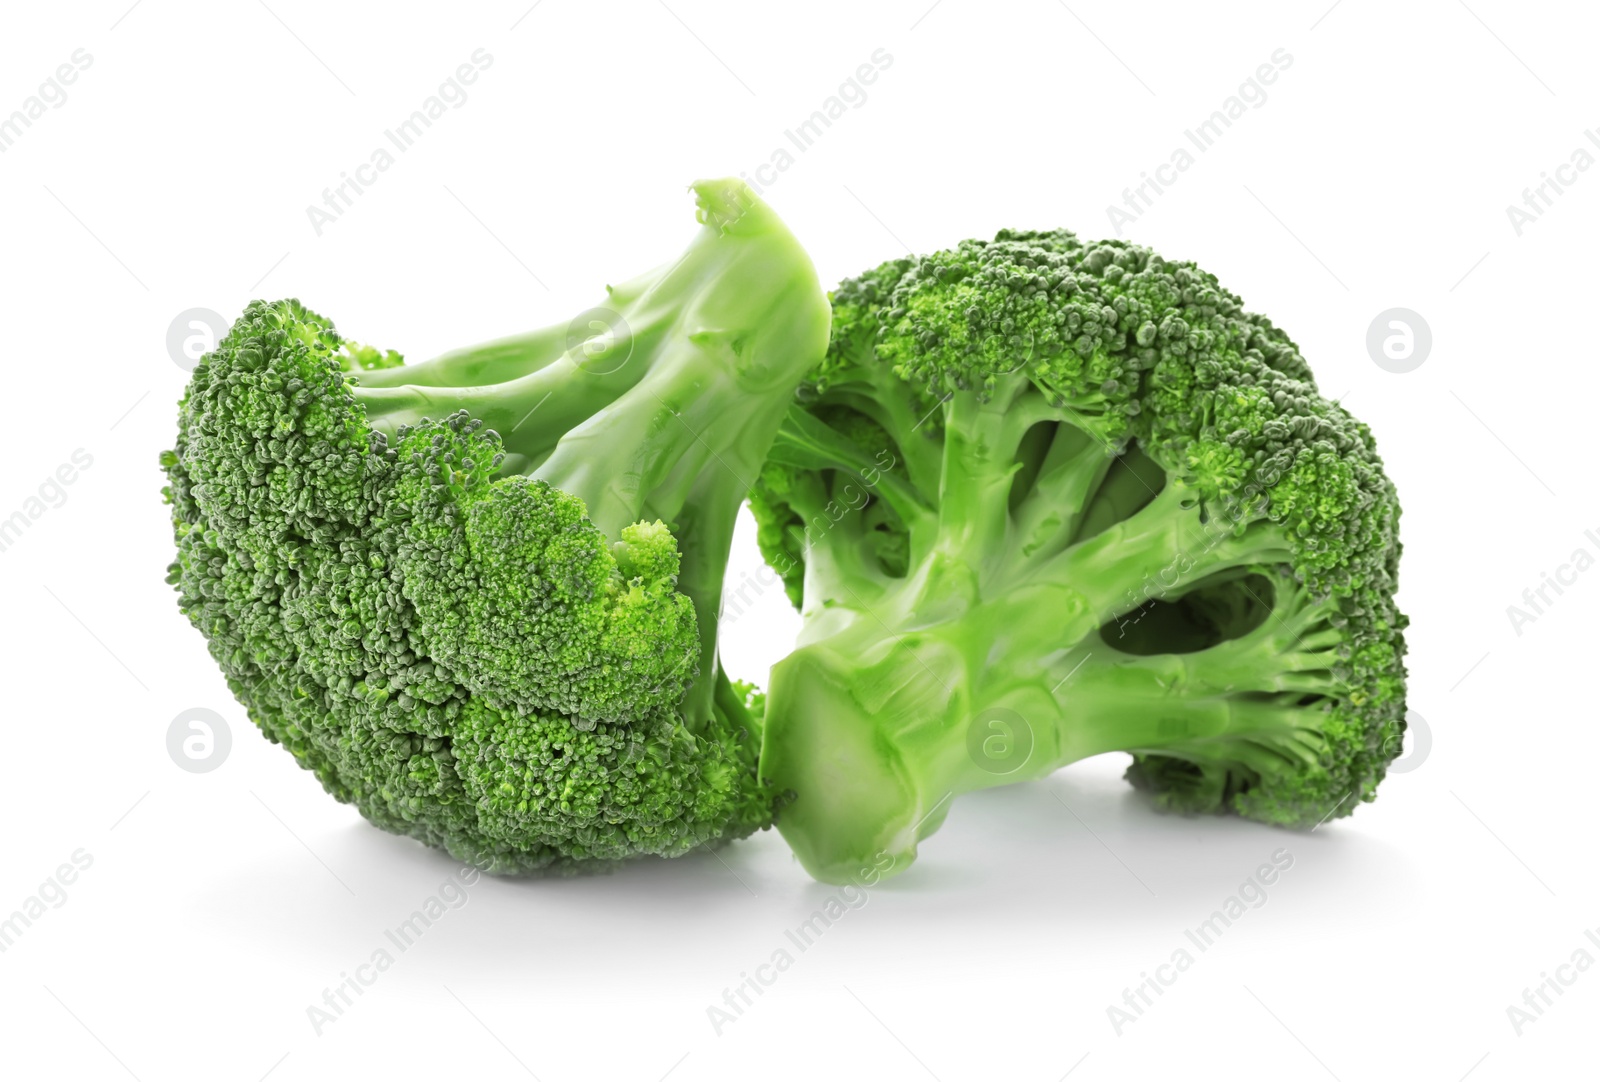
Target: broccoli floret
[[1115, 515], [477, 596]]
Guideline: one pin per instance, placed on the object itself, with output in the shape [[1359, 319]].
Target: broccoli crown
[[503, 647], [439, 646], [1094, 417], [1134, 347]]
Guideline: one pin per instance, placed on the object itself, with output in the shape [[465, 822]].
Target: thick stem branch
[[808, 443], [873, 390], [877, 724], [500, 361], [981, 436], [1050, 513], [531, 414], [1160, 550]]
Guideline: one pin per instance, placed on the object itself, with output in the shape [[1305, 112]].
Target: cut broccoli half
[[477, 596], [1046, 499]]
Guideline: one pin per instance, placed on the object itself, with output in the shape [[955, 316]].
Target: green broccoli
[[1046, 499], [477, 596]]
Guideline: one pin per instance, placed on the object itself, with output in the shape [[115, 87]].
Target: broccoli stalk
[[1044, 501], [660, 405], [478, 596]]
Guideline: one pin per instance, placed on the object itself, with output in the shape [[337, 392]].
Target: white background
[[1376, 174]]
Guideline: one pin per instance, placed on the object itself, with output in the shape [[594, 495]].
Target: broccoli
[[1045, 499], [477, 596]]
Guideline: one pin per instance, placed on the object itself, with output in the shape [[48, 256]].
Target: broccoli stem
[[687, 369], [1161, 549], [873, 390], [838, 560], [901, 687], [807, 442], [704, 530], [631, 442], [690, 414], [878, 726], [1050, 513], [980, 446], [499, 361], [661, 405], [530, 413]]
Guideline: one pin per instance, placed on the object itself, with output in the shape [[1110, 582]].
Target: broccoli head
[[1045, 499], [477, 596]]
